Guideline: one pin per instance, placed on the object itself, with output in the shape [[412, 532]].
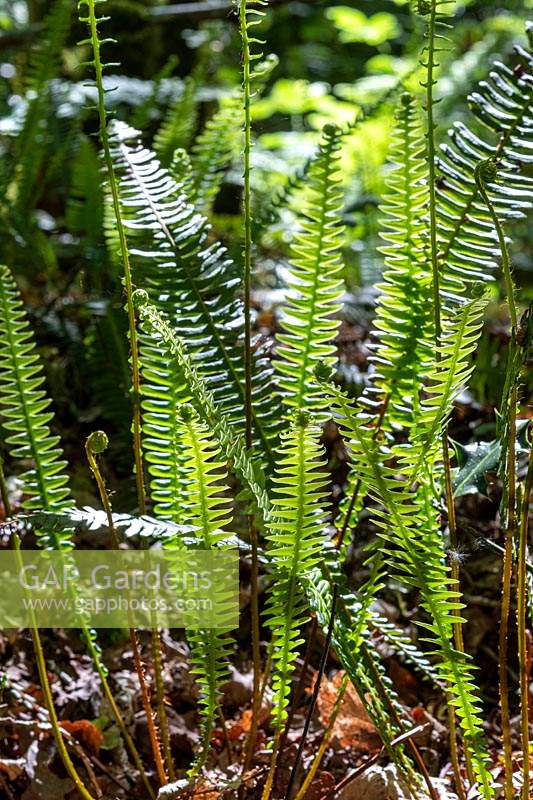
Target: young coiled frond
[[24, 409], [193, 281], [296, 540], [315, 285], [404, 317], [502, 131]]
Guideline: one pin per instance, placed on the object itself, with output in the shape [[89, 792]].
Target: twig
[[521, 593]]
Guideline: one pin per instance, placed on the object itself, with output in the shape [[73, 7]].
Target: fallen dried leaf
[[13, 767], [85, 733], [353, 727]]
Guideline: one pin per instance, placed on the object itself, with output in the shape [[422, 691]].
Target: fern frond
[[501, 109], [296, 540], [177, 128], [194, 282], [213, 151], [315, 282], [233, 446], [414, 549], [445, 381], [24, 407], [208, 511], [85, 205], [404, 317]]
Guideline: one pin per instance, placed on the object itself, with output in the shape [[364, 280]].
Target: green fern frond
[[24, 408], [249, 472], [296, 540], [213, 151], [193, 282], [414, 549], [445, 381], [178, 126], [503, 132], [208, 511], [404, 317], [315, 282]]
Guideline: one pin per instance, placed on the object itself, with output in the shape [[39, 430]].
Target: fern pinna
[[24, 407]]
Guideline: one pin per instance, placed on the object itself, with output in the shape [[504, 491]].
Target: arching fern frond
[[24, 408], [502, 132], [413, 546], [295, 536], [232, 444], [193, 281], [314, 282]]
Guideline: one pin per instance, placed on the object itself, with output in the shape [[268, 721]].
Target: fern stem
[[325, 740], [145, 694], [248, 409], [96, 443], [454, 752], [505, 609], [521, 611], [160, 703], [4, 494], [124, 253], [48, 699]]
